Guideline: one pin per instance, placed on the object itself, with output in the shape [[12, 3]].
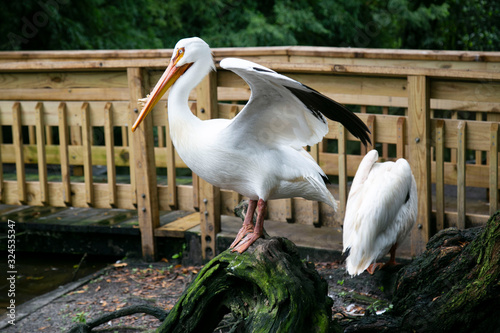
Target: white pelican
[[381, 210], [259, 152]]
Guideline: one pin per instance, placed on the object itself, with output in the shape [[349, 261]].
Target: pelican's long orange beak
[[171, 74]]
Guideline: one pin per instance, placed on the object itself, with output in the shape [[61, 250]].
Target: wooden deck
[[62, 224], [113, 232]]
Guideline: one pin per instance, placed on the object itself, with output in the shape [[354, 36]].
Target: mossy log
[[267, 289], [453, 286]]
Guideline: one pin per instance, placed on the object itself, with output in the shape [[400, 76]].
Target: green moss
[[267, 289]]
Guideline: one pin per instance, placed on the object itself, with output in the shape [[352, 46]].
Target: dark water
[[39, 273]]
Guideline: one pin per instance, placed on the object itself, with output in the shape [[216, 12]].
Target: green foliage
[[130, 24], [471, 25], [79, 317]]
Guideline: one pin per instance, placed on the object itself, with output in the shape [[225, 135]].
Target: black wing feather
[[319, 104]]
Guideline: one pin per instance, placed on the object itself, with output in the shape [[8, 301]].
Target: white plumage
[[381, 210], [259, 153]]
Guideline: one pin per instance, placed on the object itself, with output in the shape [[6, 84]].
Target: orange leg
[[371, 269], [247, 226], [258, 230], [392, 261]]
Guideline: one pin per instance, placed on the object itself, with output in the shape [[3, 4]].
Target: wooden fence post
[[145, 169], [439, 151], [87, 154], [17, 136], [461, 174], [342, 172], [210, 195], [110, 153], [494, 168], [40, 142], [171, 175], [419, 145]]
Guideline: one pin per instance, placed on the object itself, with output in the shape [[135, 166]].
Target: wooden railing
[[68, 112]]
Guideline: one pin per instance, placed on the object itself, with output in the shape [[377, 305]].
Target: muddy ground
[[161, 284]]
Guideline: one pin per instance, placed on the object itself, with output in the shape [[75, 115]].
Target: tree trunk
[[266, 289]]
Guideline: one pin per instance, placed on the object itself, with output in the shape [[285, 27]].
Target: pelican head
[[187, 52]]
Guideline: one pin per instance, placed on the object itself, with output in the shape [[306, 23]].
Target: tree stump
[[267, 289]]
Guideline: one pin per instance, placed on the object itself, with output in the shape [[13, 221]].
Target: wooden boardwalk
[[323, 244], [93, 230]]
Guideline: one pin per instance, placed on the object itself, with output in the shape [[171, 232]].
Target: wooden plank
[[475, 173], [315, 206], [171, 173], [179, 226], [385, 128], [494, 168], [461, 202], [419, 151], [185, 197], [454, 115], [370, 123], [63, 79], [209, 194], [120, 110], [63, 151], [418, 57], [42, 164], [473, 220], [482, 91], [87, 154], [77, 140], [110, 156], [371, 70], [400, 143], [364, 149], [400, 71], [478, 135], [133, 113], [161, 136], [17, 137], [101, 199], [439, 175], [421, 57], [385, 146], [478, 154], [342, 161], [31, 135], [145, 169], [102, 64], [79, 94], [124, 136], [48, 135]]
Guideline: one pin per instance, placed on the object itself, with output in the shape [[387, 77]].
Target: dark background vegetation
[[148, 24]]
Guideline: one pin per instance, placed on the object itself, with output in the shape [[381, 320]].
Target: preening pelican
[[381, 210], [259, 153]]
